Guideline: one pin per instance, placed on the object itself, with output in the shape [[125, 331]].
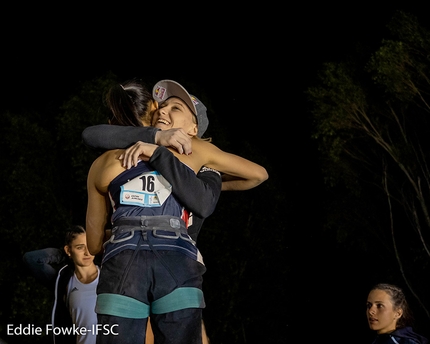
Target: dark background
[[254, 64]]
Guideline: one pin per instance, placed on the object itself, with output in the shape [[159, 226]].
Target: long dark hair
[[129, 103], [398, 300]]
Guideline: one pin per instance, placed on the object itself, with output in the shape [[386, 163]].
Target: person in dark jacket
[[72, 275], [389, 314]]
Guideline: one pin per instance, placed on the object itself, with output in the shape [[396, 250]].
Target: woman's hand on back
[[139, 151], [176, 138]]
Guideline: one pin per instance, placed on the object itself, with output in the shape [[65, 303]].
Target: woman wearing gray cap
[[242, 173]]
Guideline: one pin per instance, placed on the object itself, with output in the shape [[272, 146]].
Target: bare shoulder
[[203, 146], [110, 155], [105, 168], [108, 158]]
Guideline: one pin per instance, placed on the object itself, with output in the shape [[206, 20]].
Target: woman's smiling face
[[174, 113]]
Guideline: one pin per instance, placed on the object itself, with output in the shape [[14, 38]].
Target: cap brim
[[165, 89]]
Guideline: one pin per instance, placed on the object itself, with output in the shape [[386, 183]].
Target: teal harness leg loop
[[127, 307], [122, 306], [178, 299]]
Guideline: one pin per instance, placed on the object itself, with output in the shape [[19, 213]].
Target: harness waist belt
[[150, 223]]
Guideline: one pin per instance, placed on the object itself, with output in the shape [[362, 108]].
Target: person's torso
[[142, 191], [81, 301]]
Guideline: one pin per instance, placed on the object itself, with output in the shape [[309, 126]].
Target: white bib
[[150, 189]]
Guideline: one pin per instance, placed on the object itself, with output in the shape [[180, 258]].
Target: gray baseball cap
[[165, 89]]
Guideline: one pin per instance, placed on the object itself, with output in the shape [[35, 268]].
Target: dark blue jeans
[[146, 277]]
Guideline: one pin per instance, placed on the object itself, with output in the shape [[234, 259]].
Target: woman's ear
[[67, 250], [154, 105], [399, 313], [193, 130]]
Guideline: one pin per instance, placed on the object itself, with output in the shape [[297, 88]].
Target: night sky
[[254, 64]]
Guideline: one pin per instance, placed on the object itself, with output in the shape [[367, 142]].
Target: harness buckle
[[176, 236]]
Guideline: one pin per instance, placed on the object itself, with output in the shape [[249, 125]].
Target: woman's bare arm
[[243, 174], [102, 171]]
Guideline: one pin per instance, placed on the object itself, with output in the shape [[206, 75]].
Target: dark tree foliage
[[32, 213], [43, 173], [371, 122]]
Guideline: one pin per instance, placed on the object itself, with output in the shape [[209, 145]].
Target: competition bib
[[150, 189]]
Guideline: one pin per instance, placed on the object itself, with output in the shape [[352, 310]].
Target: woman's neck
[[86, 274]]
